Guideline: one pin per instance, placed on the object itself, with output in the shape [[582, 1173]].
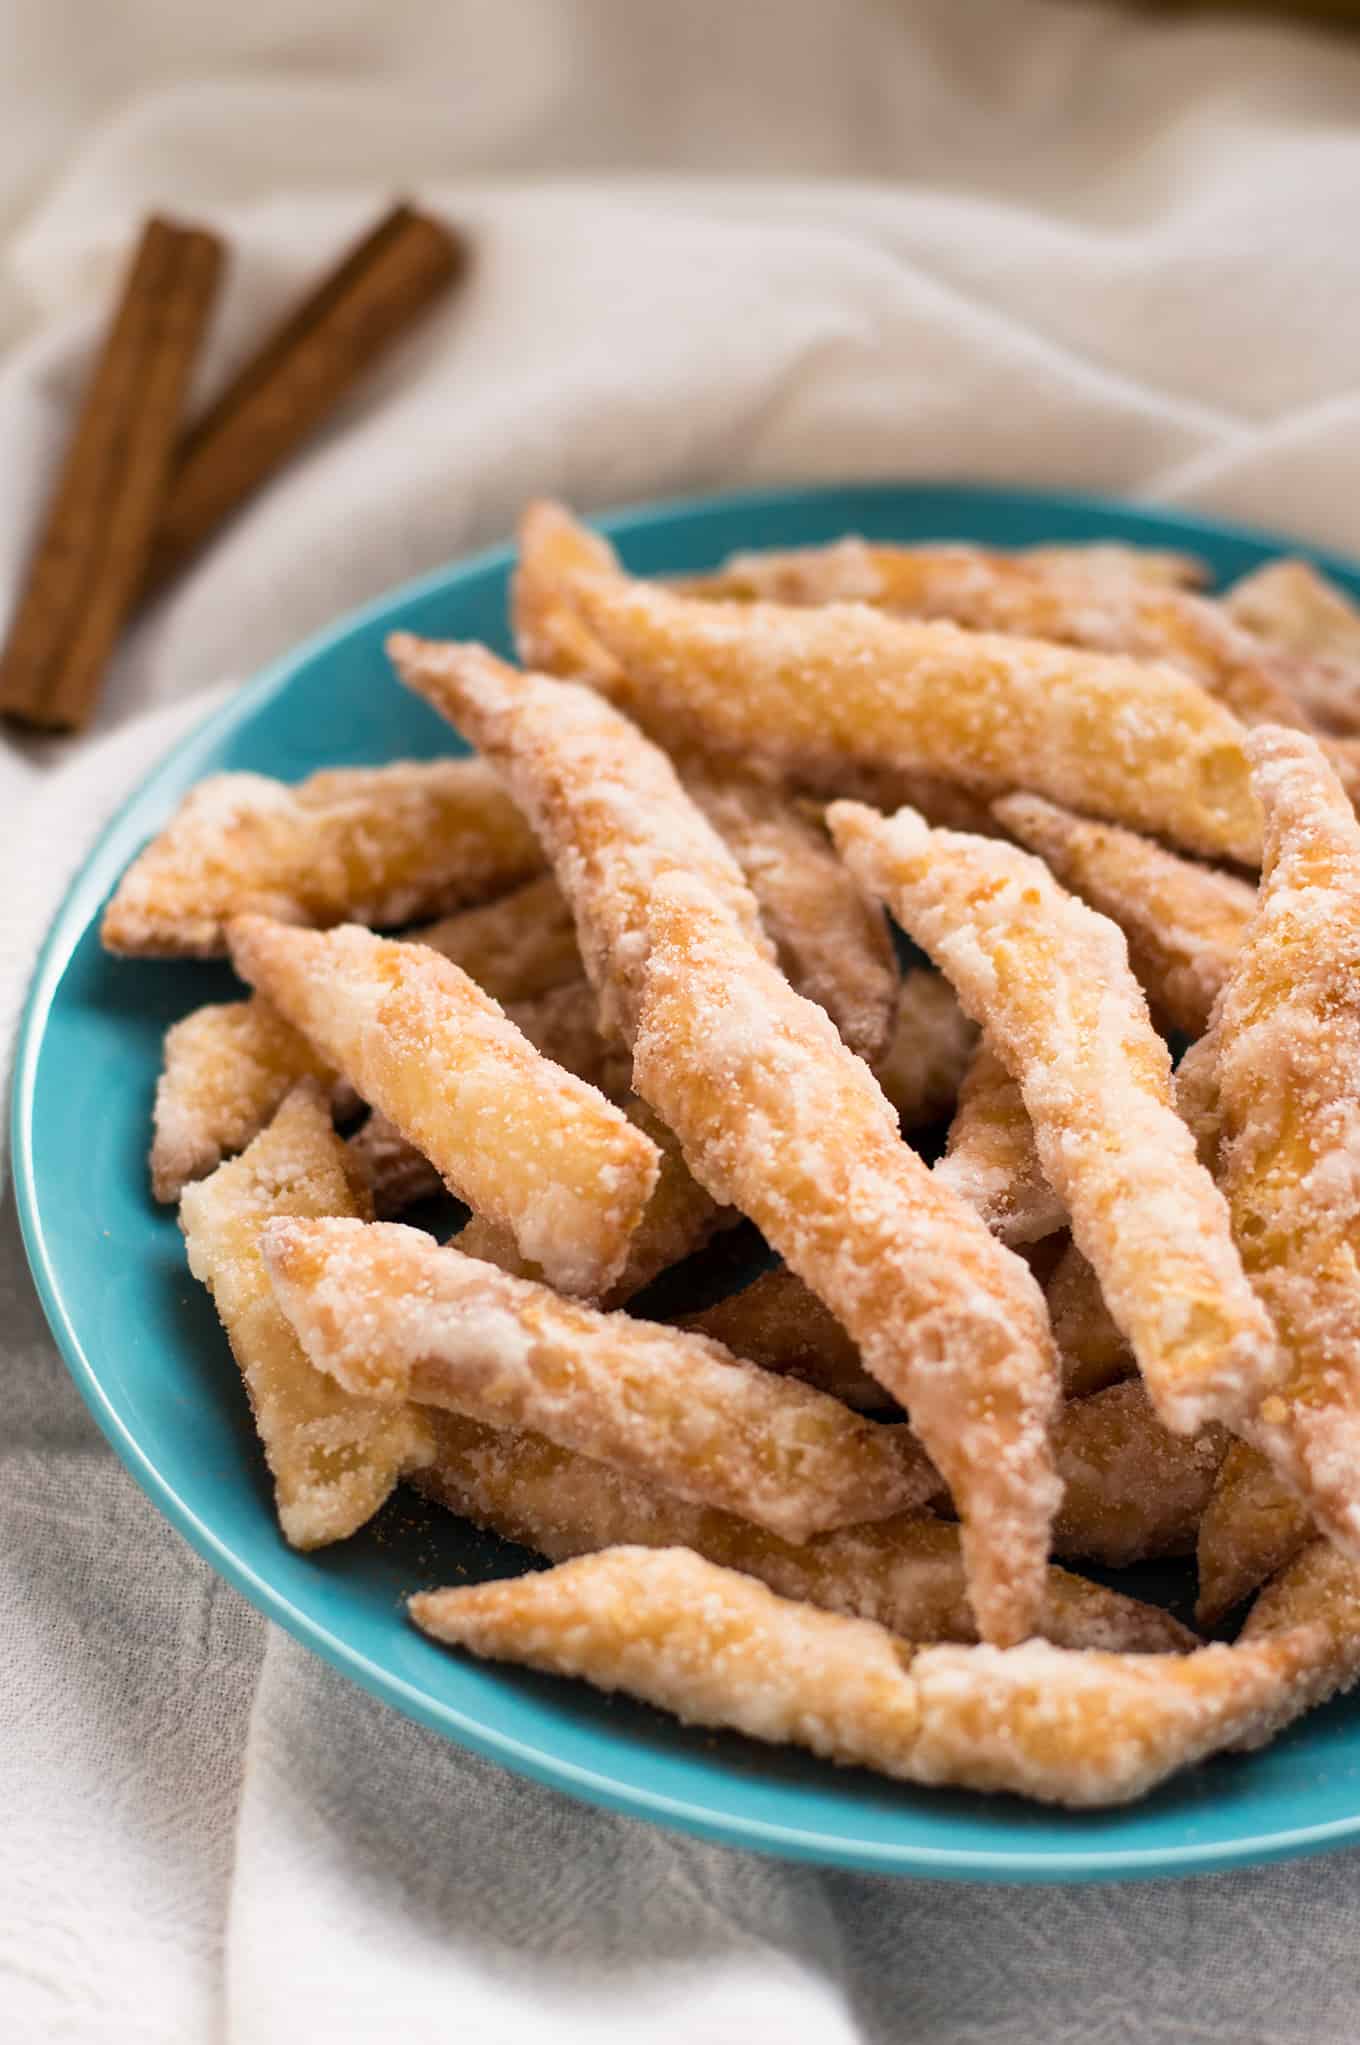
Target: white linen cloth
[[1080, 248]]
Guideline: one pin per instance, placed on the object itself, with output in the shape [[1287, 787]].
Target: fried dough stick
[[1137, 741], [1104, 607], [679, 1218], [334, 1458], [1131, 1490], [227, 1067], [833, 943], [608, 806], [1252, 1526], [1291, 606], [776, 1116], [391, 1315], [519, 1139], [1286, 1043], [1183, 922], [561, 1025], [1049, 980], [905, 1572], [354, 844], [991, 1160], [719, 1649]]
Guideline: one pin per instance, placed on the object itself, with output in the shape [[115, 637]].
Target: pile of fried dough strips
[[1119, 1318]]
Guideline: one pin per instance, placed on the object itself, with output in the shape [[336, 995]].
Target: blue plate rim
[[87, 891]]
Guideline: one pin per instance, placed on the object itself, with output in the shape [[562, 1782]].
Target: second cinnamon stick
[[281, 395]]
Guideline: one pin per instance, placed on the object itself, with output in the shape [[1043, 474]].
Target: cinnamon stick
[[385, 283], [97, 534]]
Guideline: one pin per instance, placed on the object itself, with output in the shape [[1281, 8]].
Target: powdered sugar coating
[[1131, 1490], [1183, 922], [1286, 1036], [606, 803], [1049, 981], [334, 1458], [991, 1160], [390, 1313], [718, 1649], [226, 1069], [1138, 741], [368, 845], [907, 1572], [522, 1141], [833, 943], [775, 1115], [1100, 602]]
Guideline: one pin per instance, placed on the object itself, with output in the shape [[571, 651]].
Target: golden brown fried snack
[[1183, 922], [930, 1049], [1100, 604], [1296, 610], [561, 1025], [392, 1315], [991, 1160], [227, 1067], [1286, 1042], [906, 1572], [777, 1117], [833, 944], [608, 805], [680, 1218], [1131, 1491], [776, 1322], [719, 1649], [1092, 1350], [334, 1458], [1252, 1526], [362, 844], [522, 1141], [1049, 981], [1137, 741]]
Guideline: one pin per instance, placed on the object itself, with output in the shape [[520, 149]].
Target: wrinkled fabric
[[715, 246]]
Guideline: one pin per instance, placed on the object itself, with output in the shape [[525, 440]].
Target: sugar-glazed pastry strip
[[522, 1141], [905, 1572], [777, 1117], [608, 805], [1286, 1043], [719, 1649], [334, 1457], [391, 1314], [1049, 981], [359, 844], [1137, 741]]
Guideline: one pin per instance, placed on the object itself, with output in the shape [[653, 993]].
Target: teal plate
[[143, 1344]]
